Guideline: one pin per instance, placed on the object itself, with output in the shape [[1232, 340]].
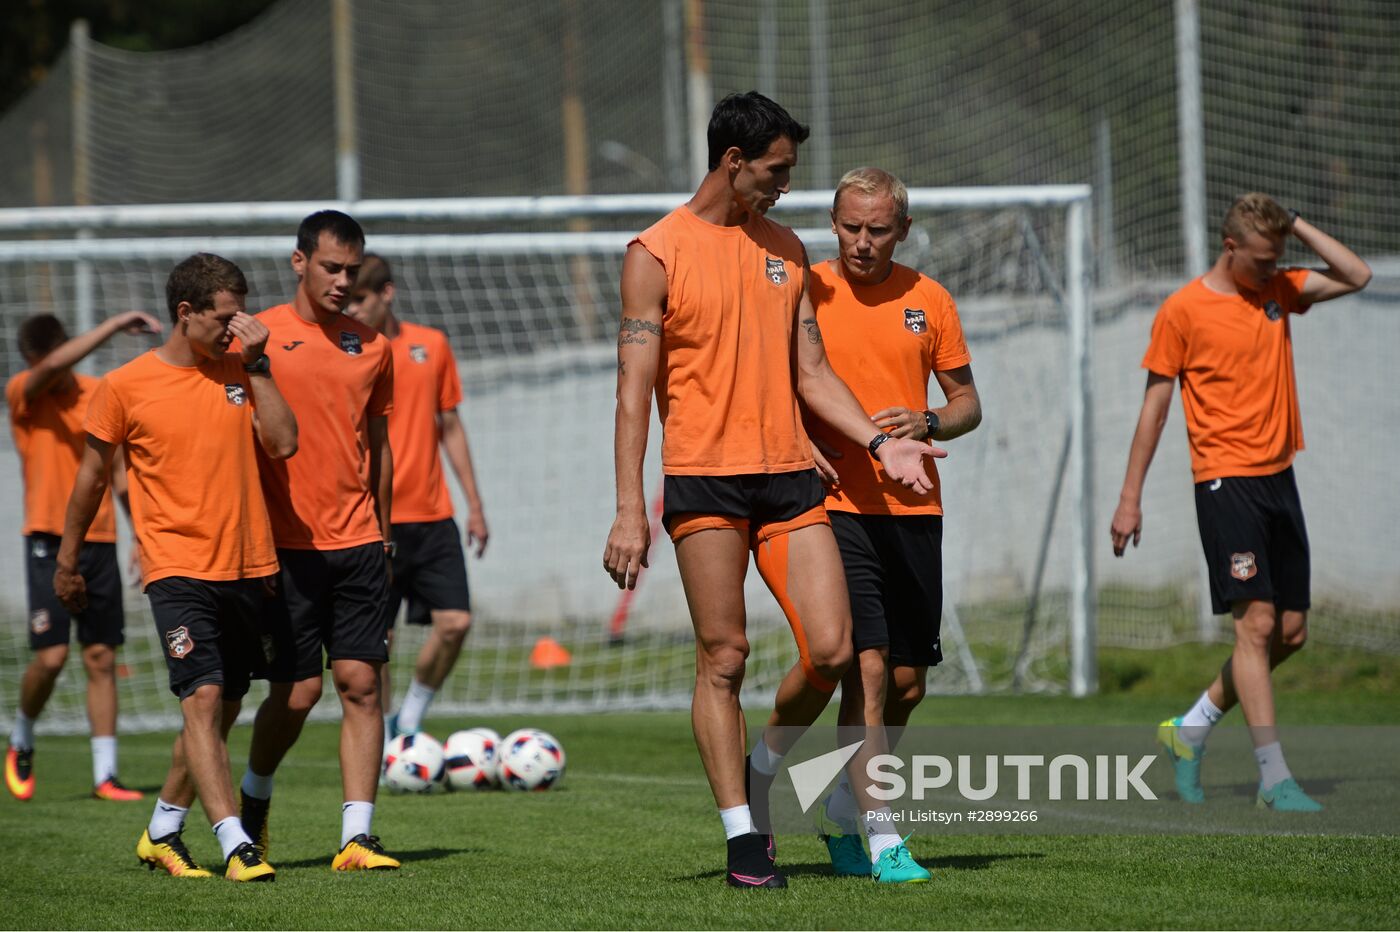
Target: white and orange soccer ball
[[471, 759], [531, 759], [413, 763]]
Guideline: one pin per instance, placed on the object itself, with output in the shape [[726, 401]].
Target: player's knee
[[722, 665], [908, 692], [829, 661], [203, 707], [1293, 637], [50, 660], [359, 687], [303, 696], [99, 660], [1254, 626], [452, 627]]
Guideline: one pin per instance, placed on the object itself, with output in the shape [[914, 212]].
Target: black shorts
[[1255, 541], [331, 600], [755, 500], [49, 622], [894, 573], [210, 632], [430, 570]]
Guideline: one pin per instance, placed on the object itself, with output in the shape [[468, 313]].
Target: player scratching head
[[870, 217], [205, 295], [330, 248], [372, 298], [752, 151], [1253, 235]]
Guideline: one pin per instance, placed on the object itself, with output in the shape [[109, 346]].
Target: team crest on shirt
[[237, 394], [350, 342], [1242, 566], [39, 621], [178, 643], [418, 353], [777, 271], [1272, 310], [914, 320]]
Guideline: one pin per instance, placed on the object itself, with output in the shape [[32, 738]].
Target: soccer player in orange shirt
[[886, 328], [188, 413], [1227, 335], [47, 402], [330, 507], [716, 320], [429, 566]]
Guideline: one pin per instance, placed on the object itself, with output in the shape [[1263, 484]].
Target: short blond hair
[[1255, 213], [874, 181]]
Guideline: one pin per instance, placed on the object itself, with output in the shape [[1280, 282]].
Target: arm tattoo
[[814, 334], [632, 328], [622, 368]]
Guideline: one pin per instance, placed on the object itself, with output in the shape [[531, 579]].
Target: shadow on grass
[[406, 857], [959, 862]]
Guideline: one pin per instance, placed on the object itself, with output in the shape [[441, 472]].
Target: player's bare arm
[[381, 473], [459, 456], [88, 488], [823, 392], [273, 420], [71, 352], [638, 355], [1127, 518], [1346, 272], [959, 416]]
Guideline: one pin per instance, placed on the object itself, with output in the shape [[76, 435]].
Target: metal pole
[[768, 47], [700, 94], [347, 154], [1103, 190], [84, 280], [673, 93], [821, 95], [1084, 678]]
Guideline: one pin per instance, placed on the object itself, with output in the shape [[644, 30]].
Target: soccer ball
[[413, 763], [491, 734], [531, 760], [471, 759]]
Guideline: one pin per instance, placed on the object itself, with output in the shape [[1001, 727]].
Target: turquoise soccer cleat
[[896, 865], [848, 858], [1186, 761], [1286, 796]]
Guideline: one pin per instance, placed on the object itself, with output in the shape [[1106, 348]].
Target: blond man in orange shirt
[[887, 329], [717, 322], [1228, 337], [47, 402], [430, 567], [189, 415]]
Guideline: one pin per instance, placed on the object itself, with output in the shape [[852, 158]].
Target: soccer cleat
[[1286, 796], [848, 857], [19, 772], [896, 865], [364, 853], [1185, 758], [169, 854], [391, 727], [750, 866], [112, 789], [246, 866], [252, 812], [758, 810]]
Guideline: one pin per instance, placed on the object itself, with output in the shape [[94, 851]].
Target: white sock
[[355, 818], [259, 787], [104, 759], [878, 825], [737, 821], [764, 759], [22, 734], [1199, 720], [165, 819], [841, 807], [415, 704], [1273, 770], [230, 834]]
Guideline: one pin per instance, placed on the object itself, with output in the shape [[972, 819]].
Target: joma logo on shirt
[[418, 353], [350, 342], [1272, 310], [914, 320], [777, 271], [237, 395]]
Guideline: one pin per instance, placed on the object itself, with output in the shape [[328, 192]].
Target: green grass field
[[630, 839]]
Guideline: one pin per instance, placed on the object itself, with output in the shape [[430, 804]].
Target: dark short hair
[[40, 335], [751, 122], [374, 274], [341, 227], [198, 279]]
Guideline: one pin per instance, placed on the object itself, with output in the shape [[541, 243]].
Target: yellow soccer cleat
[[169, 854], [364, 853], [246, 866], [1185, 760], [19, 772]]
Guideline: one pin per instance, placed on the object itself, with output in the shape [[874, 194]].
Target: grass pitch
[[631, 839]]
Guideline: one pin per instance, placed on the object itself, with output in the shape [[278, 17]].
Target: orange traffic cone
[[549, 653]]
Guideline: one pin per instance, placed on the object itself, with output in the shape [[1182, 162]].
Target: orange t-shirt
[[1234, 354], [188, 434], [883, 341], [49, 438], [335, 377], [725, 388], [425, 384]]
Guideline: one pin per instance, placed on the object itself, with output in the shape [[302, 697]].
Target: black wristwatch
[[1293, 216], [262, 365], [931, 422], [877, 442]]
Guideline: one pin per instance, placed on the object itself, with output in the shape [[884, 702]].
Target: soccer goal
[[527, 291]]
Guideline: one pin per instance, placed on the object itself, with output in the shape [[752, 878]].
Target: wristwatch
[[391, 549], [931, 422], [262, 365], [877, 442], [1293, 216]]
